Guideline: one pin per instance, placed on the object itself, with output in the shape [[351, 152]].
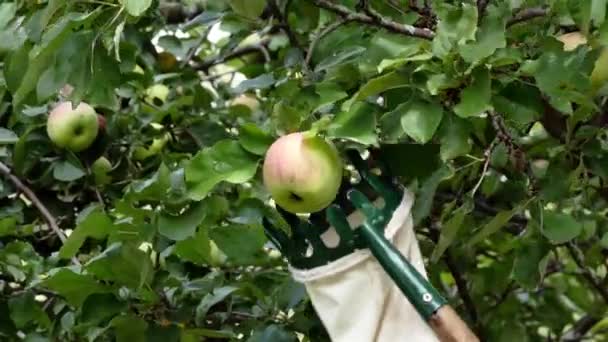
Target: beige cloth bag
[[354, 297]]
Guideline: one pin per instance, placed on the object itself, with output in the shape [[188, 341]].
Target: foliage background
[[502, 137]]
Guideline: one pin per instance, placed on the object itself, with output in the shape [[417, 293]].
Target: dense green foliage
[[502, 136]]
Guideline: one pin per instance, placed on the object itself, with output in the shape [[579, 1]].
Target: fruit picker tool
[[301, 242]]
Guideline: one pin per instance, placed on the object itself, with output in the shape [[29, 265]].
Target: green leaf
[[136, 7], [528, 265], [456, 26], [475, 98], [357, 124], [391, 80], [426, 193], [91, 222], [196, 249], [496, 223], [154, 188], [254, 140], [67, 172], [122, 263], [450, 229], [41, 56], [560, 228], [604, 241], [490, 36], [420, 119], [454, 137], [261, 82], [241, 243], [216, 296], [74, 287], [225, 161], [100, 306], [286, 117], [563, 76], [129, 328], [273, 333], [25, 310], [339, 58], [329, 93], [7, 136], [248, 8], [519, 102], [180, 227]]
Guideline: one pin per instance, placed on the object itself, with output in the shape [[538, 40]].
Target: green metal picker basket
[[304, 248]]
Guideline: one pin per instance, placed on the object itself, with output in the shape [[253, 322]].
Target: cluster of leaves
[[496, 128]]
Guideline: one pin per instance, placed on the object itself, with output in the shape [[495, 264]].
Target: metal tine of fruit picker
[[428, 302]]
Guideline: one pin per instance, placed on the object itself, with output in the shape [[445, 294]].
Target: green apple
[[246, 100], [71, 128], [599, 75], [216, 255], [141, 153], [157, 94], [100, 169], [302, 172]]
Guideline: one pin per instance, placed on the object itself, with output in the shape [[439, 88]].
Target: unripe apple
[[166, 61], [100, 169], [599, 75], [302, 172], [157, 94], [73, 129], [249, 101]]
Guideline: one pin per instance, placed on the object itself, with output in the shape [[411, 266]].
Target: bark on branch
[[374, 19], [236, 53], [527, 14]]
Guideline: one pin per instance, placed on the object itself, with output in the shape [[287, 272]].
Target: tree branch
[[578, 259], [375, 19], [283, 24], [527, 14], [463, 290], [481, 8], [236, 53], [29, 193], [325, 31], [580, 328]]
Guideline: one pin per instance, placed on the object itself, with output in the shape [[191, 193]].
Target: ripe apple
[[302, 172], [101, 121], [71, 128]]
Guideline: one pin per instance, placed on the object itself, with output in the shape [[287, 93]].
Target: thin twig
[[580, 328], [579, 260], [192, 51], [487, 155], [527, 14], [463, 290], [283, 24], [236, 53], [325, 31], [481, 8], [29, 193], [374, 20]]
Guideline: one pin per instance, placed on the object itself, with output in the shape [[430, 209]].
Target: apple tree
[[493, 113]]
